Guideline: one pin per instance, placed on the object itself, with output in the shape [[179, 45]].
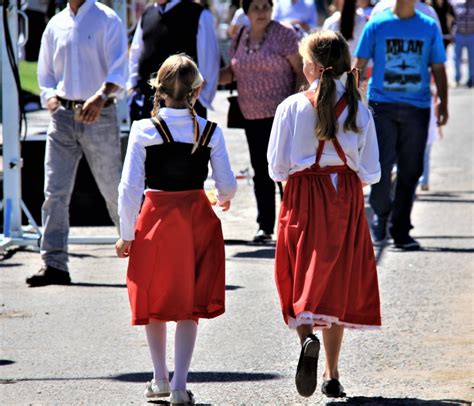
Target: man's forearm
[[441, 81]]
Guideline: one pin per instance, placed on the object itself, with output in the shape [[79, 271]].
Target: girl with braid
[[323, 143], [174, 240]]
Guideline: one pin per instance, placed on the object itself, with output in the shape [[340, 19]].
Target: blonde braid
[[156, 104], [195, 124]]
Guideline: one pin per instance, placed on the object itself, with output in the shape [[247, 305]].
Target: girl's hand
[[122, 248], [364, 184], [225, 205]]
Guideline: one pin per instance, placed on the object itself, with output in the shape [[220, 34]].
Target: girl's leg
[[156, 336], [304, 331], [186, 332], [332, 338]]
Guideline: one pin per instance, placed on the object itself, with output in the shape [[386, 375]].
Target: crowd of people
[[318, 147]]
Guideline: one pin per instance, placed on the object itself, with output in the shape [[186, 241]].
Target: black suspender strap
[[207, 133], [160, 130]]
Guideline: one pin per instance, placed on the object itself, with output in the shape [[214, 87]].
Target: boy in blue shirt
[[405, 46]]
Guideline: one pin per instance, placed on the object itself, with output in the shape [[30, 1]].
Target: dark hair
[[348, 14], [245, 4], [330, 50]]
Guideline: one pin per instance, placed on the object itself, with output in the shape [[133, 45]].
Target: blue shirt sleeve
[[366, 46], [437, 51]]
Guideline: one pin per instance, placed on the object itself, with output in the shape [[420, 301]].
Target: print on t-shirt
[[403, 64]]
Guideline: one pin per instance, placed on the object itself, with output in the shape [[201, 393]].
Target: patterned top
[[265, 77]]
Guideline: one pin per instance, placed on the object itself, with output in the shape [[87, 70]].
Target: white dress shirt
[[143, 134], [79, 53], [301, 10], [208, 54], [293, 144], [333, 23]]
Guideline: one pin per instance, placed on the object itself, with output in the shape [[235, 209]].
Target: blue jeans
[[66, 141], [402, 131], [461, 41]]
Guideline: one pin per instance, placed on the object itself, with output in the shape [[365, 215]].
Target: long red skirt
[[176, 269], [325, 266]]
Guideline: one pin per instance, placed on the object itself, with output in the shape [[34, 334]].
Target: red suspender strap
[[339, 107]]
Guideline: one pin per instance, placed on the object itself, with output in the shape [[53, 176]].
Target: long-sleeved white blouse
[[293, 144], [144, 134]]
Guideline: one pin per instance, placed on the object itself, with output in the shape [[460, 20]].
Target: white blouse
[[293, 142], [143, 134]]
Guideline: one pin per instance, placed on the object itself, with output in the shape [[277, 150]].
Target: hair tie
[[324, 69], [356, 73]]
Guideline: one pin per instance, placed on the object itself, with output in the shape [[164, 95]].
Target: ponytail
[[353, 97], [325, 99], [156, 104]]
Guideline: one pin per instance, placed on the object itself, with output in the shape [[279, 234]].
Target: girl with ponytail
[[174, 240], [323, 144]]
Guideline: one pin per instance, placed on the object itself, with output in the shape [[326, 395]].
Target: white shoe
[[182, 397], [157, 389]]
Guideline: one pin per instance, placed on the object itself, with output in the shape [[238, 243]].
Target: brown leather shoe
[[48, 275]]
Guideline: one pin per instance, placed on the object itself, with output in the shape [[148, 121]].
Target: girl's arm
[[279, 146], [369, 165], [132, 184], [222, 174]]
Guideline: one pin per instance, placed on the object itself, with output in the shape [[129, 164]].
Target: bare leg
[[332, 346], [304, 331]]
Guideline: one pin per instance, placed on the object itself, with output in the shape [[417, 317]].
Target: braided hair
[[178, 79]]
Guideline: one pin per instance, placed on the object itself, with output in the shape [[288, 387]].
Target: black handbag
[[235, 118]]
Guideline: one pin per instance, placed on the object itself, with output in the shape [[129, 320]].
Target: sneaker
[[182, 397], [306, 372], [406, 243], [48, 275], [332, 388], [262, 237], [157, 389], [379, 229]]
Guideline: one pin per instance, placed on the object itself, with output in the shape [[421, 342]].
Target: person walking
[[82, 65], [323, 143], [464, 38], [266, 65], [406, 48], [176, 269], [167, 28]]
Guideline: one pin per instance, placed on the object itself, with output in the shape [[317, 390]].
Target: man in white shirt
[[82, 64], [168, 27]]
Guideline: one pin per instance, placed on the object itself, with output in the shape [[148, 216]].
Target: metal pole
[[11, 143]]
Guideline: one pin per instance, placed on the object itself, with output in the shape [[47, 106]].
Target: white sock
[[186, 332], [156, 336]]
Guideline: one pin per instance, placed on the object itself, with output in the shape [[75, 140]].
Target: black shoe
[[406, 243], [262, 237], [379, 230], [48, 275], [333, 389], [306, 372]]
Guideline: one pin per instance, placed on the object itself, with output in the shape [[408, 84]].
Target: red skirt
[[325, 266], [176, 269]]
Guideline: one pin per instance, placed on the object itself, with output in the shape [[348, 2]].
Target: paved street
[[74, 345]]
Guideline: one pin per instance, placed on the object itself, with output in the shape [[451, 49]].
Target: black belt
[[69, 104]]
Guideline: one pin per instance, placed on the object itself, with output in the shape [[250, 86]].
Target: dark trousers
[[402, 131], [140, 104], [258, 135]]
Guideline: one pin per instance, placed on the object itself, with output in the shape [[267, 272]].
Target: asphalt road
[[74, 345]]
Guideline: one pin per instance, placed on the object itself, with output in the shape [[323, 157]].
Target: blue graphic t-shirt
[[402, 51]]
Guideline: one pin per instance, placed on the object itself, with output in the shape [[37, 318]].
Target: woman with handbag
[[267, 67]]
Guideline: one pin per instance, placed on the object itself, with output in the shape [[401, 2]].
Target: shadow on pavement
[[268, 253], [205, 376], [123, 285], [377, 401]]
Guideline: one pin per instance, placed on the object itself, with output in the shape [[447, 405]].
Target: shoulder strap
[[162, 129], [341, 104], [207, 133]]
